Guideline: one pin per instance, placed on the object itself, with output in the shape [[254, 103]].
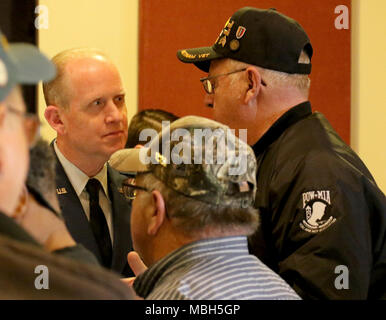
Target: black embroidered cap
[[265, 38]]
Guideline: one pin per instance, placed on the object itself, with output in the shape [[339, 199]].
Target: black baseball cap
[[265, 38], [22, 63]]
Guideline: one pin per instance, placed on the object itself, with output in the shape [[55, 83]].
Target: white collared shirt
[[79, 181]]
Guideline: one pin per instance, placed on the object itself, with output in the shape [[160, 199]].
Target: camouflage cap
[[199, 158]]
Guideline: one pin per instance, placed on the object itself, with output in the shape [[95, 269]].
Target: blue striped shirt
[[212, 269]]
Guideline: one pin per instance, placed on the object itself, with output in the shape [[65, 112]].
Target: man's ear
[[159, 213], [53, 115], [254, 84]]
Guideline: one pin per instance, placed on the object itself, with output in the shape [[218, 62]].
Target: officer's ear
[[254, 84], [53, 115]]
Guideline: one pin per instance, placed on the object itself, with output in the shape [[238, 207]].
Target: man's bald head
[[58, 91]]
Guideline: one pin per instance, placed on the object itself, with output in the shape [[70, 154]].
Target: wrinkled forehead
[[87, 78]]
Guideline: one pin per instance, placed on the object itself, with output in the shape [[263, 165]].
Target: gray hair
[[194, 217], [277, 78]]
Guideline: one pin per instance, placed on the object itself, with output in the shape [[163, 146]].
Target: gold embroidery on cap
[[204, 55], [228, 28], [222, 41], [222, 38], [188, 55]]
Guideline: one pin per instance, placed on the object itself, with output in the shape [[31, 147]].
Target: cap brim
[[201, 57], [129, 160], [31, 65]]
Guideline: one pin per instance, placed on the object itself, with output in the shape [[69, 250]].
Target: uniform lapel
[[72, 211]]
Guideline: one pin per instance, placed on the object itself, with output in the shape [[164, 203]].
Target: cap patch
[[240, 32], [234, 45], [161, 159]]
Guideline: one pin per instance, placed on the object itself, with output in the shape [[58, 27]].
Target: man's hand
[[136, 264]]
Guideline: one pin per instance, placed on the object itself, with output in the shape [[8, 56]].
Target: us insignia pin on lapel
[[61, 191]]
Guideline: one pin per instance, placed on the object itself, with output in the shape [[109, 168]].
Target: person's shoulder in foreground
[[192, 214], [28, 272]]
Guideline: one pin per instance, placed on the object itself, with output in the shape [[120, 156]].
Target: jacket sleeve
[[325, 228]]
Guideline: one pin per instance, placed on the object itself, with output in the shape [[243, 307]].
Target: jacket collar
[[292, 116]]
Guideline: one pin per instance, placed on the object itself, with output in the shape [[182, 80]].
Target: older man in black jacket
[[323, 216]]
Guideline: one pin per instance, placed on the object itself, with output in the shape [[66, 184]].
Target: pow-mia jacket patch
[[316, 206]]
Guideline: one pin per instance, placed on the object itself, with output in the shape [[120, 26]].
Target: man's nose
[[208, 100], [114, 112]]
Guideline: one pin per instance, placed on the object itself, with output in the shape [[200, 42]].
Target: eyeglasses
[[209, 86], [130, 189], [31, 124]]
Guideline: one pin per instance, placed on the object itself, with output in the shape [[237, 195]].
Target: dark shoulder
[[67, 278], [313, 142]]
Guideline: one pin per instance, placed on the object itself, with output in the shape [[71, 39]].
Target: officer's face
[[95, 121], [13, 150]]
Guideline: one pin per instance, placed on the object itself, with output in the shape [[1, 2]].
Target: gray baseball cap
[[199, 158], [22, 63]]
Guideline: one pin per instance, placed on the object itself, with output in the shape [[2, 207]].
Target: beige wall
[[368, 117], [113, 26], [109, 25]]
